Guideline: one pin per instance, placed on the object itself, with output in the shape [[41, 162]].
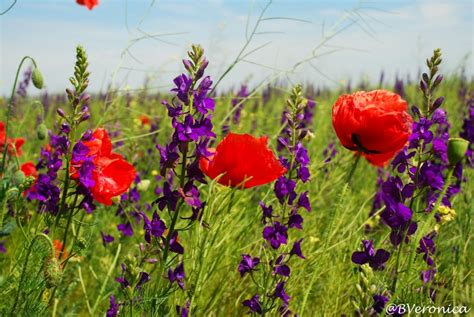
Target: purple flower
[[379, 302], [173, 110], [431, 175], [303, 173], [106, 238], [247, 264], [397, 234], [281, 268], [183, 84], [280, 292], [420, 132], [428, 275], [175, 246], [275, 235], [329, 153], [79, 152], [168, 158], [303, 201], [169, 199], [126, 229], [85, 173], [397, 216], [428, 248], [113, 308], [295, 220], [402, 160], [285, 190], [2, 247], [143, 278], [190, 194], [376, 259], [267, 212], [253, 304], [183, 311], [177, 275], [296, 249], [156, 227], [301, 154]]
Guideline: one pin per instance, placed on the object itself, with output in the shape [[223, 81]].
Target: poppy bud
[[37, 78], [19, 177], [457, 148], [437, 103], [42, 131], [52, 272]]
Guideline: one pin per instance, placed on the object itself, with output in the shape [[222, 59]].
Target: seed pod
[[42, 131], [19, 177], [457, 148], [37, 78], [52, 272]]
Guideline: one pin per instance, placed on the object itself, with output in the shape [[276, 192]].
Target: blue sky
[[394, 36]]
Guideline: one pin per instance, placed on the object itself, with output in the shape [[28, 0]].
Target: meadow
[[225, 202]]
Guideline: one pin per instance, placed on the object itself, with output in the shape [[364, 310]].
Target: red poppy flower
[[375, 123], [242, 160], [145, 120], [112, 175], [29, 169], [14, 145], [58, 246], [88, 3]]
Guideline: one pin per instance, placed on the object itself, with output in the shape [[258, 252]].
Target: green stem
[[68, 223], [10, 107], [104, 284], [354, 165], [25, 265]]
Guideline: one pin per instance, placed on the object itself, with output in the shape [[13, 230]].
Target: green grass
[[322, 285]]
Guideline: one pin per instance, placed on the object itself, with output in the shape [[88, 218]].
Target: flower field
[[275, 200]]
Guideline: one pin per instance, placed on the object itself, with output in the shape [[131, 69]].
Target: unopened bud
[[438, 80], [437, 103], [423, 86], [52, 272], [37, 78], [61, 113], [42, 131], [457, 148], [19, 177]]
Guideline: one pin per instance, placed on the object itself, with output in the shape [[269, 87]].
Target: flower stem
[[25, 265], [10, 107], [354, 165]]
